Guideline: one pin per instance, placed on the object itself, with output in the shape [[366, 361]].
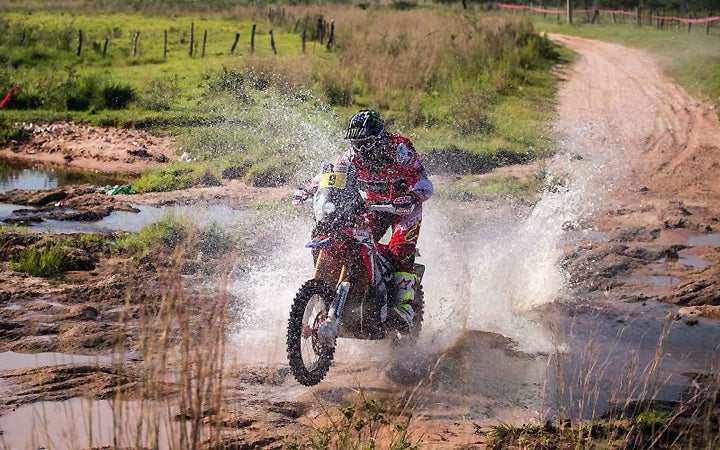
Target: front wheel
[[309, 360]]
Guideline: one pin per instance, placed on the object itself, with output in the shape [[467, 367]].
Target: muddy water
[[610, 351], [84, 423], [13, 360], [23, 175]]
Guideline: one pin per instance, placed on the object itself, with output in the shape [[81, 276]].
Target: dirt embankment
[[87, 147]]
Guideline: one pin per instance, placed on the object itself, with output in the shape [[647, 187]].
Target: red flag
[[9, 94]]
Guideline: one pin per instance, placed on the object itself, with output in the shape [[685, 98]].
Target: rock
[[83, 312]]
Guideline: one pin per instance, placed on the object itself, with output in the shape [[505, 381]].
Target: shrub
[[77, 101], [12, 132], [470, 112], [118, 96], [165, 234], [159, 94], [45, 260]]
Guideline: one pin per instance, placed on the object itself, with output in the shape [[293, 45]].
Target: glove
[[405, 204], [299, 197]]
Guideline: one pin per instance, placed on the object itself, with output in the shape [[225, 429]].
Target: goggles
[[364, 144]]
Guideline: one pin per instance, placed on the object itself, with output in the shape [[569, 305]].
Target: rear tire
[[309, 360]]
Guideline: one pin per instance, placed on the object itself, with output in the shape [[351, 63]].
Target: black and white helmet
[[365, 132]]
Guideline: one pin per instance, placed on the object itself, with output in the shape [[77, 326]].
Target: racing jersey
[[399, 172]]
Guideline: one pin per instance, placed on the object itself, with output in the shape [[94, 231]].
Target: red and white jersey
[[399, 172]]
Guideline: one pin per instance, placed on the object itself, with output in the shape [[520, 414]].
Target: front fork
[[328, 329]]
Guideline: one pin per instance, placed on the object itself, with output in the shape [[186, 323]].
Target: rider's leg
[[402, 246], [403, 310]]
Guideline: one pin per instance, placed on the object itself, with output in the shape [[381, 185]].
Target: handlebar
[[388, 208], [381, 207]]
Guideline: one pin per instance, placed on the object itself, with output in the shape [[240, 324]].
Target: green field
[[473, 89], [449, 79]]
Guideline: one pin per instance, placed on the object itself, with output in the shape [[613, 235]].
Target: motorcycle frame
[[353, 272]]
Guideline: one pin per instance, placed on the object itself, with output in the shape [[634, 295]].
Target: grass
[[365, 423], [459, 81], [45, 260]]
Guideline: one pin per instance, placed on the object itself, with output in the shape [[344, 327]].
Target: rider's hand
[[404, 204], [300, 196]]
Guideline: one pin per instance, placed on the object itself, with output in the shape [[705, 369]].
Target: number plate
[[333, 180]]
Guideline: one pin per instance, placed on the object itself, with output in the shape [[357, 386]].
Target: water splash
[[267, 288], [488, 264], [487, 269], [292, 134]]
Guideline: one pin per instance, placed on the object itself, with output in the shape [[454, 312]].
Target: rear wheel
[[309, 360]]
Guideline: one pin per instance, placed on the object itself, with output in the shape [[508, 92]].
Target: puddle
[[32, 176], [705, 239], [13, 361], [83, 423], [621, 351], [680, 236], [691, 260], [133, 221], [18, 176], [654, 280]]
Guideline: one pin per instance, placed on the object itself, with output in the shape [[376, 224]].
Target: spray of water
[[488, 264], [269, 129]]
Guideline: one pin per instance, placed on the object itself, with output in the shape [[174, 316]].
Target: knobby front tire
[[309, 360]]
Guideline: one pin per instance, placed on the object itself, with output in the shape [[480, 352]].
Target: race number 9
[[333, 180]]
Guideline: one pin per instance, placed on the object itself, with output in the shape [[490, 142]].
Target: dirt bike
[[351, 285]]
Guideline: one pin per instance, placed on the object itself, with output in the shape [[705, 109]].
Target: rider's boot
[[405, 283]]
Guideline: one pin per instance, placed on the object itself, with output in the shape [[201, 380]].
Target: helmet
[[365, 132]]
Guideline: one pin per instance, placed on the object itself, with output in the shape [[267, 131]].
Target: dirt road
[[654, 157], [617, 98]]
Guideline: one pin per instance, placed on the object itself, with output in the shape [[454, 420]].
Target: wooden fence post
[[304, 38], [80, 42], [237, 38], [707, 29], [331, 36], [165, 44], [105, 46], [136, 36], [320, 30], [252, 39], [638, 12], [272, 42], [569, 12], [202, 55], [192, 37]]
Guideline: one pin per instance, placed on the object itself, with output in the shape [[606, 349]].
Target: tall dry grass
[[610, 395], [181, 338]]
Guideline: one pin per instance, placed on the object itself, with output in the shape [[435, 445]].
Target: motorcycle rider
[[387, 168]]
